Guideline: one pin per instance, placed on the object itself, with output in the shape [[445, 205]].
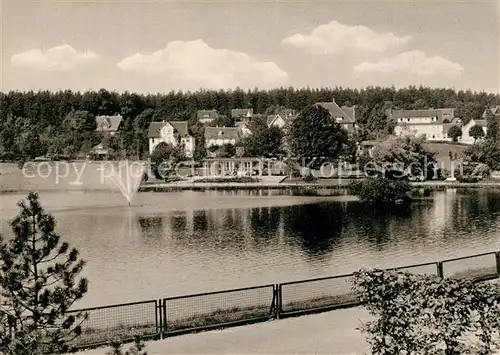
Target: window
[[408, 120]]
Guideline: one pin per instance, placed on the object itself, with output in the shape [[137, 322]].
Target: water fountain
[[124, 175]]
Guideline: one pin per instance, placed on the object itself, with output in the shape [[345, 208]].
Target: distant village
[[434, 124]]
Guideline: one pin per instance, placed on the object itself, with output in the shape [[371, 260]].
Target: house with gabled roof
[[171, 132], [207, 116], [494, 110], [281, 118], [344, 115], [109, 124], [431, 123], [241, 113], [466, 137], [218, 136], [243, 129]]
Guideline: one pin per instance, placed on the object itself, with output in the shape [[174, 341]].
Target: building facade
[[172, 132], [433, 124], [219, 136]]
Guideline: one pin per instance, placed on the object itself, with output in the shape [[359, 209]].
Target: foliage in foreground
[[380, 191], [136, 349], [38, 285], [420, 314]]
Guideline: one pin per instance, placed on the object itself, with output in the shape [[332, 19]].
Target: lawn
[[443, 150]]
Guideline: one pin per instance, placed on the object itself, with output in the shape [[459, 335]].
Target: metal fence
[[215, 309], [122, 321], [191, 313]]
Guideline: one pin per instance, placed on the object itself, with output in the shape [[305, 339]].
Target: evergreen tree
[[38, 285]]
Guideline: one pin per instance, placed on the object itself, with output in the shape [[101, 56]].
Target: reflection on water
[[193, 242]]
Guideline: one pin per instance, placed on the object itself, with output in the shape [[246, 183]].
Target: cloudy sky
[[157, 46]]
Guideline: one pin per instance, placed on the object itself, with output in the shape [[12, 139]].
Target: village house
[[238, 114], [344, 115], [494, 110], [282, 118], [466, 137], [243, 128], [171, 132], [207, 116], [109, 125], [431, 123], [218, 136]]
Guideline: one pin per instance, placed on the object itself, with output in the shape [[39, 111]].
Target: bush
[[309, 178], [136, 349], [424, 314], [375, 191], [472, 172]]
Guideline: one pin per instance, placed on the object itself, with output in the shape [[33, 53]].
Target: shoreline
[[334, 184]]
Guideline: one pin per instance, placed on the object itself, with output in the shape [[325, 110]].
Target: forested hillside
[[34, 123]]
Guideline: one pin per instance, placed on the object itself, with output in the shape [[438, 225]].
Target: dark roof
[[347, 113], [440, 113], [207, 114], [108, 123], [181, 127], [221, 133], [241, 112]]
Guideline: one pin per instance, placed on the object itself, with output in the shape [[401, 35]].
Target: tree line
[[35, 123]]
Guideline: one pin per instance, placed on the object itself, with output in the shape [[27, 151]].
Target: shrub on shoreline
[[381, 191]]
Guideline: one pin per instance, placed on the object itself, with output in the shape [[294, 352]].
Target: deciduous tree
[[454, 132], [315, 138], [476, 132], [264, 143]]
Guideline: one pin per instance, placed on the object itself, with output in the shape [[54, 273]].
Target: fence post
[[164, 318], [159, 319], [440, 269], [280, 299], [497, 258]]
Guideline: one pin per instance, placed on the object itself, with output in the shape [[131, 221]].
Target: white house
[[466, 137], [221, 135], [431, 123], [174, 133]]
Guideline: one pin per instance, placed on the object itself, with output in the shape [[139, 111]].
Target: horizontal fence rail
[[182, 314]]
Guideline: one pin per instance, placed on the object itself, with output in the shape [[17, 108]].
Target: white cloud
[[335, 37], [412, 62], [59, 58], [194, 64]]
